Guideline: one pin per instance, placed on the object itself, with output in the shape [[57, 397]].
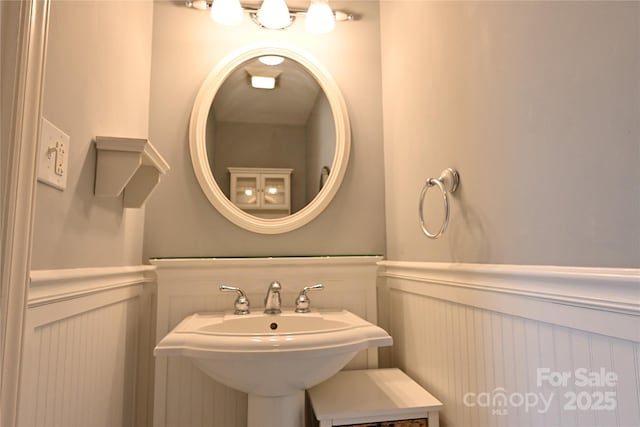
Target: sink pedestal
[[276, 411]]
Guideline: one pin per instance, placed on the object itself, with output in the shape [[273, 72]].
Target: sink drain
[[273, 326]]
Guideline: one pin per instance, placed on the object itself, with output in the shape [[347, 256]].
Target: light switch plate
[[53, 156]]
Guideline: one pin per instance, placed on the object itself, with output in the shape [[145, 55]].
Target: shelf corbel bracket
[[127, 165]]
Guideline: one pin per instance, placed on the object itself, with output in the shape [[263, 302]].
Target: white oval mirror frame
[[198, 142]]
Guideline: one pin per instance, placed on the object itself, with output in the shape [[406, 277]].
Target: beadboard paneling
[[455, 341], [83, 348]]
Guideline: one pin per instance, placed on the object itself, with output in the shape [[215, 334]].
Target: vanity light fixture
[[320, 17], [226, 12], [273, 14]]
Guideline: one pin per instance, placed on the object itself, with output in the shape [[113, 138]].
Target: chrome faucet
[[241, 304], [272, 302], [303, 303]]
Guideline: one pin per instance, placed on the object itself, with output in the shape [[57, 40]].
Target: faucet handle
[[303, 303], [241, 304]]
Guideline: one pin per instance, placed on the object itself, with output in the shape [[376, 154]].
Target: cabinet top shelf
[[150, 155], [259, 170], [127, 165]]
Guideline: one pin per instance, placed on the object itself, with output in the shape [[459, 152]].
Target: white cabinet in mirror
[[297, 123], [263, 192]]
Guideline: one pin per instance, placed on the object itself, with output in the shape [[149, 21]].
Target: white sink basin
[[272, 355]]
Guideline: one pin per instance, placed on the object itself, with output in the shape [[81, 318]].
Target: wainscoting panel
[[186, 397], [455, 334], [83, 348]]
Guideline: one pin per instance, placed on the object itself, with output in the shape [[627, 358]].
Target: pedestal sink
[[273, 358]]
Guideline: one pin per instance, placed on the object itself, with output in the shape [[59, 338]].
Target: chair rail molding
[[599, 300], [51, 286]]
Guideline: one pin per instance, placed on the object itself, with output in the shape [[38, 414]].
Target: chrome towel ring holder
[[447, 183]]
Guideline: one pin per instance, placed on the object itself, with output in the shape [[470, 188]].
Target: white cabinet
[[263, 192], [373, 397]]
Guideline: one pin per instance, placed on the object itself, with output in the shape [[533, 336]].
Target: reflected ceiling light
[[227, 12], [263, 82], [273, 14], [320, 17], [263, 77], [271, 60]]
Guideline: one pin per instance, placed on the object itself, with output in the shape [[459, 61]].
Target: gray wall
[[538, 107], [321, 146], [536, 104], [179, 219], [96, 83]]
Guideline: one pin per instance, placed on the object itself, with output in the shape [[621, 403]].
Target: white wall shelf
[[129, 165]]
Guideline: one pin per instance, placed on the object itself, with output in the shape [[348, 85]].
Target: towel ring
[[447, 183]]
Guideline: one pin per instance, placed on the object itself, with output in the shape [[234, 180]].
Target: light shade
[[274, 14], [320, 17], [226, 12]]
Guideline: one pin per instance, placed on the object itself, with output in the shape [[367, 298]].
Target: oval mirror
[[261, 133]]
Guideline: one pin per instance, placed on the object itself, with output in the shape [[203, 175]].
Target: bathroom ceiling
[[289, 103]]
